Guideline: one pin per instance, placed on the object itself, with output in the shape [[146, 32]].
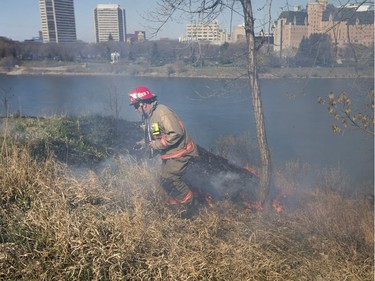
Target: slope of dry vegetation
[[112, 224]]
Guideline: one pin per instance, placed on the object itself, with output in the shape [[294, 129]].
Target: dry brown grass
[[339, 228], [114, 225]]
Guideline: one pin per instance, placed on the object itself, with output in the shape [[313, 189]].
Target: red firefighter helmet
[[140, 93]]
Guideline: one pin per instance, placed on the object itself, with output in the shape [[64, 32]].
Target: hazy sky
[[20, 19]]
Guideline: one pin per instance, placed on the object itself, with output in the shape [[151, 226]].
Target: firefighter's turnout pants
[[172, 171]]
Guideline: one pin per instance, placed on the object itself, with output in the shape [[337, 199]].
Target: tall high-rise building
[[58, 21], [110, 23]]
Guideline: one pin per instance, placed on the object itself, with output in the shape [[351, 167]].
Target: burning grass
[[112, 224]]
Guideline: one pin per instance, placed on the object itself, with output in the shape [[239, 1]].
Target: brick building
[[347, 24], [290, 29]]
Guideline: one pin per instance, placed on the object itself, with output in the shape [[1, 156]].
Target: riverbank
[[229, 72]]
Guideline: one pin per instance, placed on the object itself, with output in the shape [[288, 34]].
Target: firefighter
[[167, 135]]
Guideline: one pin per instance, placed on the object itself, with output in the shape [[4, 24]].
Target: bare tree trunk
[[265, 174], [172, 6]]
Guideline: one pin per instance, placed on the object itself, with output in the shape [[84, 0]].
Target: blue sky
[[20, 19]]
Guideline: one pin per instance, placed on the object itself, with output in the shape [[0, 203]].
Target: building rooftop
[[294, 17], [107, 6], [350, 15]]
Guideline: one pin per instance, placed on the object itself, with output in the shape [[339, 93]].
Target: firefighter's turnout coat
[[175, 146]]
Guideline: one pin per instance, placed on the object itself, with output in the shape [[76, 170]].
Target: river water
[[298, 128]]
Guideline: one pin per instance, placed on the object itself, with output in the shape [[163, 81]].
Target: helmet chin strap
[[147, 132], [144, 116]]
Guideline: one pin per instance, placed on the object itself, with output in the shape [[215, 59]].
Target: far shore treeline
[[178, 56]]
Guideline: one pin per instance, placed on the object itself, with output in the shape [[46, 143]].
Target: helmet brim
[[145, 100]]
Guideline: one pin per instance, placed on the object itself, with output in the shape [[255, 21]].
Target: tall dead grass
[[339, 226], [113, 224]]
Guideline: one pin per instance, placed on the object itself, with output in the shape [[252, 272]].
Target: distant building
[[290, 28], [110, 23], [210, 32], [238, 35], [347, 24], [36, 38], [138, 36], [58, 21], [115, 56]]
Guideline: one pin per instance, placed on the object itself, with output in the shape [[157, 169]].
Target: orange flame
[[251, 170], [249, 205], [277, 206], [253, 206], [209, 201]]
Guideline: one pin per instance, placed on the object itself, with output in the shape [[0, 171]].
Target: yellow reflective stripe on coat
[[179, 153]]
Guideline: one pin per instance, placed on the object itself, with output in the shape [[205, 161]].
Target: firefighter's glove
[[152, 144], [139, 145]]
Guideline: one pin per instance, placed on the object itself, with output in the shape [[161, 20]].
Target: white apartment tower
[[110, 23], [58, 21]]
